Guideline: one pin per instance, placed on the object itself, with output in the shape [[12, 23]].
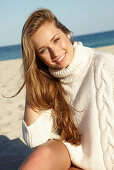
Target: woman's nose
[[54, 51]]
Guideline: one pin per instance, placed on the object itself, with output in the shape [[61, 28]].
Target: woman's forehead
[[45, 33]]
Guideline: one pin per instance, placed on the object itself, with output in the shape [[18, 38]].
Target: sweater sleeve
[[104, 81], [39, 131]]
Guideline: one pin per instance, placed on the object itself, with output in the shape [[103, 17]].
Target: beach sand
[[13, 150], [12, 147]]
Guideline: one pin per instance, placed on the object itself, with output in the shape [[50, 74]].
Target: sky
[[79, 16]]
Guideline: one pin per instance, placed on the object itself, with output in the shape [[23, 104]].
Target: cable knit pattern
[[104, 100]]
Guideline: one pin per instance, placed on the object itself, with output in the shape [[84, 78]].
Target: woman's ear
[[71, 37], [68, 35]]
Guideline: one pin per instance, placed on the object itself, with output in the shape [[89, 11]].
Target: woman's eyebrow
[[50, 41], [53, 37]]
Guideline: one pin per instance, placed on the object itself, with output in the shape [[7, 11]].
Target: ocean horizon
[[90, 40]]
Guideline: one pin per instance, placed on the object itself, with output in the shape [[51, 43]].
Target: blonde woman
[[69, 99]]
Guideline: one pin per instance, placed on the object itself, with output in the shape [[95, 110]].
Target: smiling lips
[[60, 59]]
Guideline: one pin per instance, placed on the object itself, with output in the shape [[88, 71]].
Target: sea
[[89, 40]]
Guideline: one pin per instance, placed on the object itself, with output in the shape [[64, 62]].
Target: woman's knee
[[42, 153], [47, 156], [39, 157], [58, 152]]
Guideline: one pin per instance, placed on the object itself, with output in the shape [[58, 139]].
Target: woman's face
[[53, 46]]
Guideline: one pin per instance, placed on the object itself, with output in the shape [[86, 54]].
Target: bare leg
[[52, 155]]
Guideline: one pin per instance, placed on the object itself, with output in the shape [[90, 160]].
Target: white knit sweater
[[89, 81]]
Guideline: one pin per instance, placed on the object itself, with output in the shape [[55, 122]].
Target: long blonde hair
[[42, 89]]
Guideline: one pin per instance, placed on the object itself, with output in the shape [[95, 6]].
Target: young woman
[[69, 99]]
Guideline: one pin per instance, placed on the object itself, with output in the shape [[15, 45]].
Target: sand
[[13, 150], [107, 49]]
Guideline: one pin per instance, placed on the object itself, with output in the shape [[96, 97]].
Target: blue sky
[[80, 16]]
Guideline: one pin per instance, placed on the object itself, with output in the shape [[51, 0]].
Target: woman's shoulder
[[104, 60]]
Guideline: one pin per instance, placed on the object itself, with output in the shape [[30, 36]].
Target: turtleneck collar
[[78, 66]]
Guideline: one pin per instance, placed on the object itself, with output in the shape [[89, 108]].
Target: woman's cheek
[[64, 44]]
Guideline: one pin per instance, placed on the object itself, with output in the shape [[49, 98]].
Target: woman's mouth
[[61, 59]]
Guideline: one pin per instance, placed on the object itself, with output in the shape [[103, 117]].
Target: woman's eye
[[56, 40], [41, 52]]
